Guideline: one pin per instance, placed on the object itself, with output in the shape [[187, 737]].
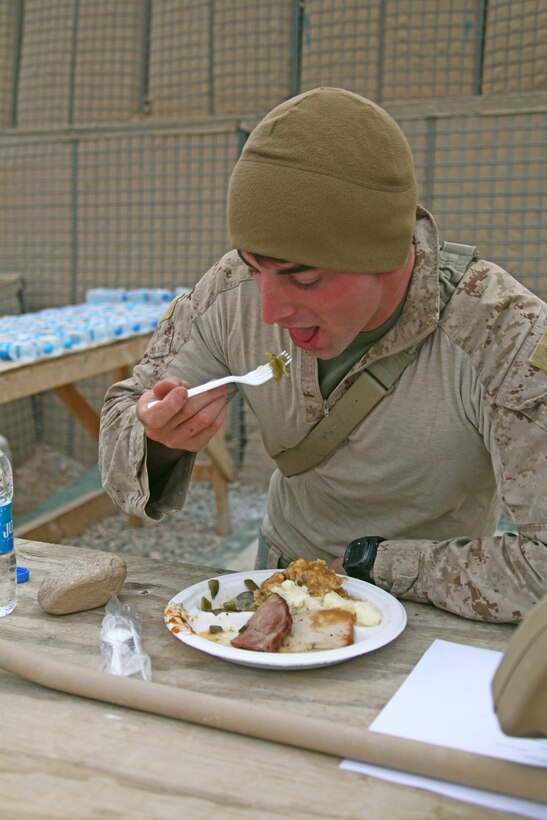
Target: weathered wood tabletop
[[65, 756]]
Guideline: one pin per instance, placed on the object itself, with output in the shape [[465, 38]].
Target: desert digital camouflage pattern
[[461, 436]]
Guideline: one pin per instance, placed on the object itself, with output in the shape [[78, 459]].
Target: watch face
[[354, 554], [359, 557]]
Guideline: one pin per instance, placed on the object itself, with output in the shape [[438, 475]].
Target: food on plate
[[315, 575], [244, 602], [273, 628], [365, 613], [320, 629], [302, 608], [323, 614], [297, 597], [266, 628], [299, 600]]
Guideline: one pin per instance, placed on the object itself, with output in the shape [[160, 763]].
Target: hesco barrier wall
[[120, 124]]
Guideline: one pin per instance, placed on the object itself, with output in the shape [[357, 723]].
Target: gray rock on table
[[87, 582]]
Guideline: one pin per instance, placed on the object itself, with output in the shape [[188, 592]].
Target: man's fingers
[[155, 411], [199, 440], [164, 388], [182, 423]]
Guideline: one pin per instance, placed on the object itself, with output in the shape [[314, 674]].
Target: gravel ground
[[188, 535], [46, 471]]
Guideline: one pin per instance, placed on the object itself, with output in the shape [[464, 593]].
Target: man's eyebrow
[[292, 270], [296, 269]]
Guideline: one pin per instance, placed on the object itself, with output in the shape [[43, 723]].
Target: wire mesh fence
[[120, 124]]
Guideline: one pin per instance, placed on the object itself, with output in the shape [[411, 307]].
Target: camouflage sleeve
[[127, 459], [490, 579], [498, 578], [147, 479]]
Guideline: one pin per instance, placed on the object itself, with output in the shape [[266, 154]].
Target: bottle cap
[[22, 575]]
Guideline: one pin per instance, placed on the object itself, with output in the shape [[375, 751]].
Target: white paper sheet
[[480, 797], [447, 700]]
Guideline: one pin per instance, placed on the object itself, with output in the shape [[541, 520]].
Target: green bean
[[277, 363]]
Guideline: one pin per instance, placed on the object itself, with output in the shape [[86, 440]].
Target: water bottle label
[[6, 529]]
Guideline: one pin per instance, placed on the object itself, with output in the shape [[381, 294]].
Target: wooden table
[[59, 374], [64, 756]]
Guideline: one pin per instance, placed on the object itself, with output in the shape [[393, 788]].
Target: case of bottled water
[[107, 314]]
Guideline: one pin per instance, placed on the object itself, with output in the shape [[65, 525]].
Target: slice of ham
[[267, 627]]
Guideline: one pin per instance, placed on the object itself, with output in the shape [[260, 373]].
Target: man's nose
[[276, 302]]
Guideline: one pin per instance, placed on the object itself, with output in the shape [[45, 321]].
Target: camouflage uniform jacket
[[461, 435]]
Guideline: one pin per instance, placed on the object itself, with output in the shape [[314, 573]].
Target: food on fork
[[278, 364], [275, 369]]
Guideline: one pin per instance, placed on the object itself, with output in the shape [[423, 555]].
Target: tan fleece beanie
[[325, 179]]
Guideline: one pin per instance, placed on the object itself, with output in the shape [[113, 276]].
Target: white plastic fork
[[261, 374]]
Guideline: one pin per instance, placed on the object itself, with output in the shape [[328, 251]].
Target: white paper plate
[[184, 618]]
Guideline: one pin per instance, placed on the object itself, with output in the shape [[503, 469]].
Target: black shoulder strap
[[373, 383]]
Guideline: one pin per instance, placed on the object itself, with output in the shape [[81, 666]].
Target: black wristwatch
[[360, 555]]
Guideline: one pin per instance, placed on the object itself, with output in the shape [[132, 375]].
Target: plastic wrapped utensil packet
[[121, 645]]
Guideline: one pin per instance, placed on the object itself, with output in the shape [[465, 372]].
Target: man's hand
[[337, 566], [179, 422]]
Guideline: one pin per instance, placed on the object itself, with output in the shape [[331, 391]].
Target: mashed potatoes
[[297, 597], [299, 600], [365, 613]]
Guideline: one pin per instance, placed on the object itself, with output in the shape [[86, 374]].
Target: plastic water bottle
[[101, 296], [120, 328], [160, 296], [49, 344], [22, 350], [148, 321], [138, 295], [99, 331], [148, 296], [76, 337], [8, 574]]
